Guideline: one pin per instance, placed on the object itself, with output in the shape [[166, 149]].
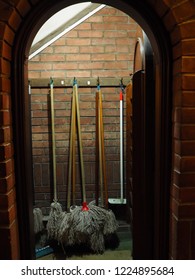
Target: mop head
[[89, 227], [38, 220], [56, 216]]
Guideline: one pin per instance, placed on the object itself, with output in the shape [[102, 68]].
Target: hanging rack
[[82, 82]]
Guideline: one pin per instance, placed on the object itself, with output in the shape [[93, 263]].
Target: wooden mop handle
[[72, 131], [75, 87], [53, 139], [103, 150]]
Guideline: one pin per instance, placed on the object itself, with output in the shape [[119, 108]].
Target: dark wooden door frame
[[152, 25], [143, 150]]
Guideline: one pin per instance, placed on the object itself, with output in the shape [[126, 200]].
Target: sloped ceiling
[[60, 23]]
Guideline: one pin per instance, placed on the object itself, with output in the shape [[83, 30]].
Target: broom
[[56, 214]]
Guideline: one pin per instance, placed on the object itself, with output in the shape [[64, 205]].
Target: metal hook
[[98, 83]]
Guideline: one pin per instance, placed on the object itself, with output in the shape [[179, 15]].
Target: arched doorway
[[161, 153]]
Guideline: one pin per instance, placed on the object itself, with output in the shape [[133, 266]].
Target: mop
[[56, 214], [38, 220], [37, 213], [111, 224], [81, 225], [86, 223]]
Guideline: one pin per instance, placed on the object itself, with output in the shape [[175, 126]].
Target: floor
[[118, 247]]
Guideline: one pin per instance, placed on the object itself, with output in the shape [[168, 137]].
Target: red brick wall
[[101, 46], [178, 18]]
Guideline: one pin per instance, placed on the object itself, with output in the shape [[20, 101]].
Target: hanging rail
[[82, 82]]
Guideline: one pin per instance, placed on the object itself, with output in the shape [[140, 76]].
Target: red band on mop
[[85, 207], [121, 95]]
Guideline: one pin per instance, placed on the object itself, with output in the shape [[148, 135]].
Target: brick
[[5, 118], [7, 183], [91, 49], [65, 66], [185, 164], [187, 211], [23, 7], [187, 195], [52, 58], [183, 12], [39, 66], [7, 200], [102, 42], [5, 134], [6, 33], [183, 239], [90, 34], [116, 19], [184, 180], [91, 65], [9, 242], [6, 11], [6, 151], [15, 20], [67, 49], [95, 18], [188, 64], [187, 29], [6, 168], [5, 85], [188, 81], [102, 57], [188, 47], [5, 50], [7, 217], [4, 101], [185, 148], [78, 57], [188, 98], [78, 41], [188, 132], [78, 74], [104, 26], [5, 67], [84, 26], [185, 115]]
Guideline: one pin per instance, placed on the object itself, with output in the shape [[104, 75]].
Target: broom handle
[[103, 152], [121, 143], [70, 152], [97, 149], [100, 150], [74, 152], [53, 139], [80, 143]]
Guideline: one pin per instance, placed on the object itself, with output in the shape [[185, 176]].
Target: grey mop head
[[38, 220], [65, 233], [56, 216], [110, 223], [88, 227]]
